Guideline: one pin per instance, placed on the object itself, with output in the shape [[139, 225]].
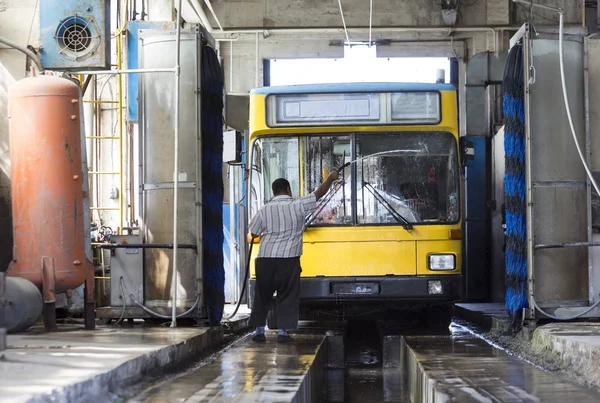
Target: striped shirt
[[280, 223]]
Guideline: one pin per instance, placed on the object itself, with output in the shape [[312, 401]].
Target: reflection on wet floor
[[365, 385], [364, 379], [461, 367], [248, 372], [438, 364]]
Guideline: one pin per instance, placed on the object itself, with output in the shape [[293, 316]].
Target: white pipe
[[231, 67], [365, 31], [528, 3], [27, 52], [176, 163], [201, 14], [256, 67], [567, 104], [233, 39], [370, 20], [126, 71], [232, 233], [212, 11], [343, 21]]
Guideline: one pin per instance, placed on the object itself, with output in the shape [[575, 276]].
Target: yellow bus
[[389, 232]]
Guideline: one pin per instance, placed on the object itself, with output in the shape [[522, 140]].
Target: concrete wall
[[273, 16], [235, 14]]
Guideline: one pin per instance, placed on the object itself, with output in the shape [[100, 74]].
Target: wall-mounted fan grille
[[77, 37]]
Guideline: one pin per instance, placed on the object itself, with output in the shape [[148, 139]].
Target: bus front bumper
[[392, 288]]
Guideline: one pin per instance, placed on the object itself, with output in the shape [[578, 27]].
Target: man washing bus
[[280, 224]]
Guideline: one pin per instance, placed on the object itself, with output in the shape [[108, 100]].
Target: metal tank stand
[[89, 313], [49, 293], [2, 330]]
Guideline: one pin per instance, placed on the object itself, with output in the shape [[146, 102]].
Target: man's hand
[[321, 190]]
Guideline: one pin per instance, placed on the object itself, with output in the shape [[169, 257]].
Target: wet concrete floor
[[437, 364], [249, 372], [72, 363], [461, 367]]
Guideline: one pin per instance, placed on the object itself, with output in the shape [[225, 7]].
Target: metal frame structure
[[176, 71], [563, 309], [196, 35]]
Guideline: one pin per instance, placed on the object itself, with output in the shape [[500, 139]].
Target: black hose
[[245, 282]]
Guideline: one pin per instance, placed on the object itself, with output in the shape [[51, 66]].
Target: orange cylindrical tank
[[47, 182]]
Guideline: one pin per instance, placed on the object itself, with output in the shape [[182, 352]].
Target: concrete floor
[[76, 365], [73, 365]]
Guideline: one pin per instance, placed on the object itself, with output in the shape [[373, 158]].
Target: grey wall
[[317, 13]]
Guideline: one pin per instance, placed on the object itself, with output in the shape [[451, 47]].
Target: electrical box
[[232, 147], [126, 271], [75, 34]]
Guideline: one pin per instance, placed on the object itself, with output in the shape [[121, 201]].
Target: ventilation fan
[[77, 38], [75, 35]]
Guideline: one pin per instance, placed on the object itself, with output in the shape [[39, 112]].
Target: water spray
[[347, 164]]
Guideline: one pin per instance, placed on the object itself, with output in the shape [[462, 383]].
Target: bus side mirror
[[467, 150], [232, 147]]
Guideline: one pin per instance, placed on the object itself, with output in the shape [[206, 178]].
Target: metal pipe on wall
[[365, 31], [120, 106], [27, 52], [126, 71], [212, 11], [256, 80], [176, 163], [195, 4]]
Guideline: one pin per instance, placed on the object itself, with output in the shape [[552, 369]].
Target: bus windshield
[[398, 177]]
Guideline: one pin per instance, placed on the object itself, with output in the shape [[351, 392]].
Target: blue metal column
[[477, 262]]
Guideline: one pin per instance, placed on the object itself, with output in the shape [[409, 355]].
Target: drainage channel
[[367, 361], [354, 370]]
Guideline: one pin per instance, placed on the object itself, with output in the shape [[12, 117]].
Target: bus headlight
[[442, 262]]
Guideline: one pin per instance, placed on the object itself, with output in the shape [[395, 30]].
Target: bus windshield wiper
[[311, 217], [405, 224]]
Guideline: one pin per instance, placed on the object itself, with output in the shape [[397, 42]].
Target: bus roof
[[352, 87]]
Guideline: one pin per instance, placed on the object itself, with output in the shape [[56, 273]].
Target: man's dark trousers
[[281, 275]]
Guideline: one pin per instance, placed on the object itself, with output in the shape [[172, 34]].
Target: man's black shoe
[[259, 337], [284, 338]]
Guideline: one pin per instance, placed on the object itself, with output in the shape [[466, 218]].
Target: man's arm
[[322, 190], [255, 227]]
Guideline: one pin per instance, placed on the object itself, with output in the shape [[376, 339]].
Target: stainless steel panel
[[158, 262], [159, 102], [157, 97], [126, 264], [478, 123], [554, 155], [561, 216], [498, 260], [559, 204]]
